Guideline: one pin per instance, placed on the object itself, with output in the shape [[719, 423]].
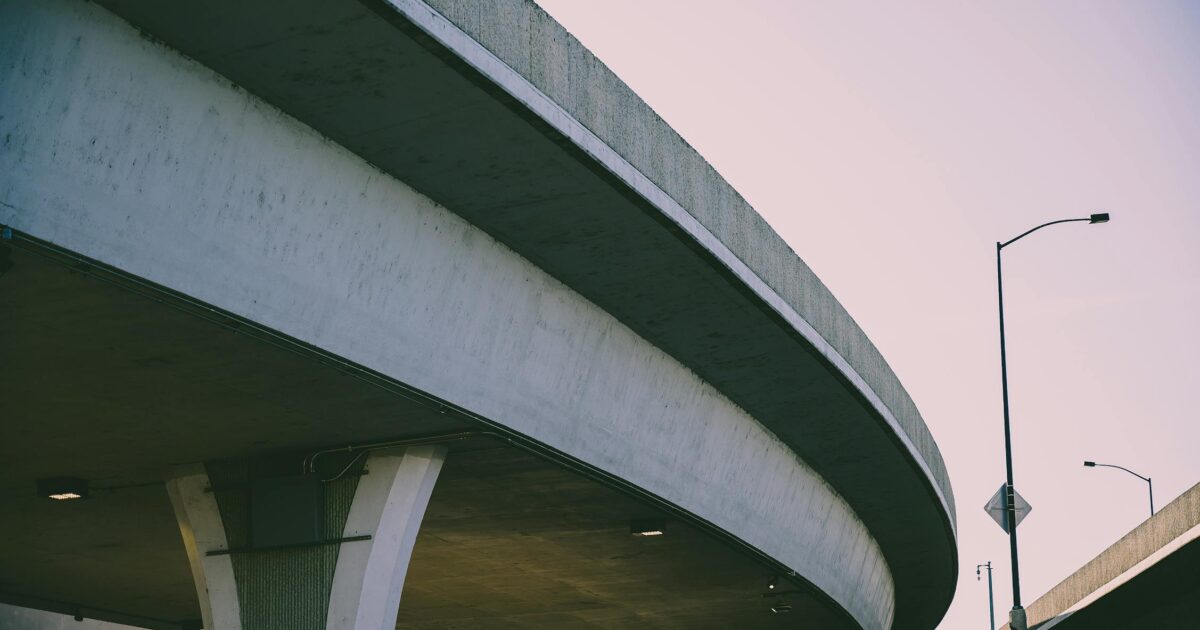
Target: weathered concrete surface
[[126, 152], [528, 40], [531, 42], [1154, 542], [408, 90]]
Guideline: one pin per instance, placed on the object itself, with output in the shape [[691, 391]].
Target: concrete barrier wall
[[1178, 518], [124, 151]]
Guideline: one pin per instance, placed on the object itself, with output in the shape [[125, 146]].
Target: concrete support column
[[351, 585], [200, 524]]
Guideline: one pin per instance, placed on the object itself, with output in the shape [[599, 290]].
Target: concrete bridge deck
[[457, 200]]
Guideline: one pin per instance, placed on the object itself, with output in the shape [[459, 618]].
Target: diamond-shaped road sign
[[998, 505]]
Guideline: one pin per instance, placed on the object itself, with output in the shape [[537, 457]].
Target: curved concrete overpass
[[458, 200]]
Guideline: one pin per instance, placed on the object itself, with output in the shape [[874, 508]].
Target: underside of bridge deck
[[114, 381]]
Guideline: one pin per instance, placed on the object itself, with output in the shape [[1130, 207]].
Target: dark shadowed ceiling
[[112, 381]]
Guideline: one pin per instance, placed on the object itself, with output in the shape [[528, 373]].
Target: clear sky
[[891, 144]]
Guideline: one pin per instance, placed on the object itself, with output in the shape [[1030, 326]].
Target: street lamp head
[[1101, 217], [1089, 464]]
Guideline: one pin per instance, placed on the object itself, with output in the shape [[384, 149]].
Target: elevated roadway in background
[[1147, 579], [241, 231]]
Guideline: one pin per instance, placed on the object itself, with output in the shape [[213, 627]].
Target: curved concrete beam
[[128, 153], [566, 88], [534, 124]]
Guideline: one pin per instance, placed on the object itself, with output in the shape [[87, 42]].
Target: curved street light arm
[[1146, 479], [1028, 232]]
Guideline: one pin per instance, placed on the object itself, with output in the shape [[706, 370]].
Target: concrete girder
[[535, 124], [203, 188], [827, 435]]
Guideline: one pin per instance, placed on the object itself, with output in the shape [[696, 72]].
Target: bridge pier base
[[349, 579]]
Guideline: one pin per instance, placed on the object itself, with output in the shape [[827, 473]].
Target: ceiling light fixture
[[647, 527], [63, 488], [773, 582]]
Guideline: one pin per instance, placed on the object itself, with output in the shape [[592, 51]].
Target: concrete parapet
[[1176, 524]]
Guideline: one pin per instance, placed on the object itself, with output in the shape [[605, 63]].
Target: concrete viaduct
[[316, 302]]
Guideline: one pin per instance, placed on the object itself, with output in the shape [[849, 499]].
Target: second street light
[[1146, 479], [1017, 614], [991, 607]]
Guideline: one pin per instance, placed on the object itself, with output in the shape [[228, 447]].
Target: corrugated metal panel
[[284, 589]]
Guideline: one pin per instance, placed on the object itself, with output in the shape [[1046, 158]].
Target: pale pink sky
[[891, 144]]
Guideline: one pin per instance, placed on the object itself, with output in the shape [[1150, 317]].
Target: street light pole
[[991, 607], [1146, 479], [1017, 614], [1010, 502]]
